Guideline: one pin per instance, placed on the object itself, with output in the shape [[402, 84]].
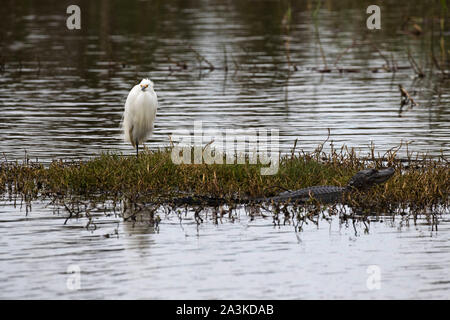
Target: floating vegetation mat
[[152, 182]]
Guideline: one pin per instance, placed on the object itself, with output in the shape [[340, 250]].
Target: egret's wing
[[127, 121]]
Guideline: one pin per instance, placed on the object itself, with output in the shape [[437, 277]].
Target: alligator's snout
[[383, 175], [366, 178]]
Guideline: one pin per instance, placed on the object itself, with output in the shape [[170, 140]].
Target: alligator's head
[[365, 179]]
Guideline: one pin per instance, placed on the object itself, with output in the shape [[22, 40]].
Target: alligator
[[361, 181]]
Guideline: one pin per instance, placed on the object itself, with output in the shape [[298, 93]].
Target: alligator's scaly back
[[324, 194]]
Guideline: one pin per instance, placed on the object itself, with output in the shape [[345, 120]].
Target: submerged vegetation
[[419, 185]]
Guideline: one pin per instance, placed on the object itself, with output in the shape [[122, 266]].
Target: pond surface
[[62, 94], [244, 259]]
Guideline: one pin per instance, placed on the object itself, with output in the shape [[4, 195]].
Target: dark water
[[62, 94]]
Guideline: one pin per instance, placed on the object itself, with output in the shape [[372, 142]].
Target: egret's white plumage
[[140, 113]]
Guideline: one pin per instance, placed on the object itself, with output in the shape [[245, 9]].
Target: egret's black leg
[[137, 149]]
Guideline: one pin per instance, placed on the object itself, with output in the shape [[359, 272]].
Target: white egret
[[140, 113]]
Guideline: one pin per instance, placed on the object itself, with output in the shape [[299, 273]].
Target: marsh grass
[[420, 185]]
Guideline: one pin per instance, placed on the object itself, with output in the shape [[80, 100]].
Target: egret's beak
[[143, 87]]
